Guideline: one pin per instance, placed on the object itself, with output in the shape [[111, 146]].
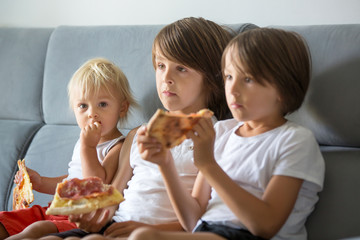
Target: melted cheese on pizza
[[78, 196], [170, 129]]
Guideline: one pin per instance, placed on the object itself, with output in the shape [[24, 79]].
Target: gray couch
[[37, 124]]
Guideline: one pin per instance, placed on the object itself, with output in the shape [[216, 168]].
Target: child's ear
[[124, 107]]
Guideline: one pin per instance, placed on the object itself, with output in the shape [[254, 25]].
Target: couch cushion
[[22, 61], [15, 137], [337, 211], [49, 154], [330, 109]]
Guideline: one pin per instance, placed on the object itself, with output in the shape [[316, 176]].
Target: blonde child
[[260, 177], [187, 60], [99, 95]]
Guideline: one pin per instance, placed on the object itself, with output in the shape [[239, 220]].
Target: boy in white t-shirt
[[261, 178], [100, 96]]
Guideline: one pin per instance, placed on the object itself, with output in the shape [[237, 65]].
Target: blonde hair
[[100, 73]]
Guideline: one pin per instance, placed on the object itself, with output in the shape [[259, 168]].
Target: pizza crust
[[170, 129]]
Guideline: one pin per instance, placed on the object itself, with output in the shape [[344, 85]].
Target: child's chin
[[238, 118]]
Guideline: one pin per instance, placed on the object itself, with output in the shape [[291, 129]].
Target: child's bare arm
[[95, 220], [188, 208], [44, 184], [90, 137], [263, 217], [111, 161], [124, 171], [92, 167]]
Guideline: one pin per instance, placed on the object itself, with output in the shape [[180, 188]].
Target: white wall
[[51, 13]]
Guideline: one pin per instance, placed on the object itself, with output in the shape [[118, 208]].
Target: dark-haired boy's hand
[[151, 149]]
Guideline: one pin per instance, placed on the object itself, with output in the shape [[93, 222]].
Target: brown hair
[[276, 56], [198, 43]]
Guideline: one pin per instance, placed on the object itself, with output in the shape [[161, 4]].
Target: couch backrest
[[22, 58], [330, 108], [331, 111]]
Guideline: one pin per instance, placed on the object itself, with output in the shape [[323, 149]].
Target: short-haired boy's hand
[[203, 136], [90, 135], [150, 148], [95, 220]]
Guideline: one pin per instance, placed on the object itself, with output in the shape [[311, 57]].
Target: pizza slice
[[76, 196], [170, 129], [22, 194]]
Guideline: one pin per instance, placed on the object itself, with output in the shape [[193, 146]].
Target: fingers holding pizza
[[203, 136], [95, 220], [203, 131], [166, 130], [150, 148], [170, 129], [35, 179]]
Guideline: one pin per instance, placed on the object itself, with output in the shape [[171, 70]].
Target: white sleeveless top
[[146, 199], [75, 169]]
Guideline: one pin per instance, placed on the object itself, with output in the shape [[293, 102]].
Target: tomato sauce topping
[[80, 188]]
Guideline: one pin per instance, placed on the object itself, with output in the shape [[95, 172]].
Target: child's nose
[[233, 89], [169, 81], [92, 113], [167, 77]]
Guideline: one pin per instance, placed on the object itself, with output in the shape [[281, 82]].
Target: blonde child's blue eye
[[82, 106]]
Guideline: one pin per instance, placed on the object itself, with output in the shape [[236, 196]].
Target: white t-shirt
[[289, 150], [146, 198], [75, 169]]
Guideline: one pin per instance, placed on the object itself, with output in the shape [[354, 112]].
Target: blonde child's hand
[[122, 229], [90, 135], [35, 179], [150, 149], [203, 136]]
